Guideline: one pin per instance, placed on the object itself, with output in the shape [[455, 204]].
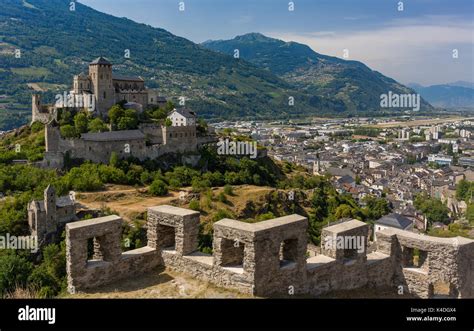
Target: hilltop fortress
[[148, 141], [270, 258], [100, 90]]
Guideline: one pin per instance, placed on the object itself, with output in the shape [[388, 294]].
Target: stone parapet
[[269, 258]]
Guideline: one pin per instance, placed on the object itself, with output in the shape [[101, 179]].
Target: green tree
[[375, 207], [68, 131], [344, 211], [159, 114], [81, 122], [464, 190], [115, 113], [168, 122], [433, 209], [128, 122], [169, 107], [97, 125]]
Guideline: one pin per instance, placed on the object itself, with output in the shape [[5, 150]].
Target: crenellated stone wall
[[270, 258], [421, 262]]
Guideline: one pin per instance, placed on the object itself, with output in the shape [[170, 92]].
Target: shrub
[[174, 183], [220, 214], [200, 184], [37, 127], [114, 159], [146, 177], [41, 279], [134, 235], [228, 189], [109, 174], [134, 174], [222, 197], [158, 188], [195, 205], [14, 271], [84, 178]]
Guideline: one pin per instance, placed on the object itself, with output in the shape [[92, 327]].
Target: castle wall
[[152, 132], [266, 258], [163, 139], [84, 273], [101, 151], [39, 112], [181, 138], [441, 260], [66, 214]]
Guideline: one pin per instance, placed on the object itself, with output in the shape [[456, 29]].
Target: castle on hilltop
[[101, 90], [149, 141], [98, 92]]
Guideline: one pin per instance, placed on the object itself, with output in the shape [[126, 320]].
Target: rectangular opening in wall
[[350, 254], [90, 249], [166, 237], [414, 258], [288, 253], [96, 252], [441, 290], [232, 254]]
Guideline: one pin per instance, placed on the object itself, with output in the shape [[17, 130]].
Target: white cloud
[[407, 50]]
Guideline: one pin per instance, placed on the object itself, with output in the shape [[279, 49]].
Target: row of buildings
[[385, 163]]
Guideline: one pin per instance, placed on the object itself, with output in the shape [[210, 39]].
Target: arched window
[[105, 95]]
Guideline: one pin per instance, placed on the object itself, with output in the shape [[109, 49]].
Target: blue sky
[[413, 45]]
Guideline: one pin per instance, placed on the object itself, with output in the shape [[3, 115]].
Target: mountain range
[[56, 43], [351, 83], [458, 94]]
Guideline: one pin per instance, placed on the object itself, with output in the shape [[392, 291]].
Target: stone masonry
[[270, 258]]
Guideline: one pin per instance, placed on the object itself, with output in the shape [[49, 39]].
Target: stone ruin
[[270, 258]]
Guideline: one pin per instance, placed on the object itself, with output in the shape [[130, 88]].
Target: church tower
[[100, 72], [50, 204]]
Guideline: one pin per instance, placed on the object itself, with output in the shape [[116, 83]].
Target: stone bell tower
[[50, 208], [100, 72]]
